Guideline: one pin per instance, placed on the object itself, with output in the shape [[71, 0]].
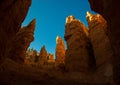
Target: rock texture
[[31, 57], [77, 55], [22, 41], [109, 10], [60, 50], [43, 56], [99, 38], [50, 59], [12, 14], [103, 52]]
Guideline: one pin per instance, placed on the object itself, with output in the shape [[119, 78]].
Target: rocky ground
[[12, 73]]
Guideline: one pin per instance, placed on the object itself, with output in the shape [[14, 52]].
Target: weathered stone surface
[[103, 52], [109, 10], [31, 56], [50, 59], [12, 14], [43, 56], [60, 50], [97, 33], [77, 55], [22, 41]]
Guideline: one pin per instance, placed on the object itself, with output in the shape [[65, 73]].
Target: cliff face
[[99, 38], [77, 56], [22, 41], [31, 56], [109, 10], [12, 14], [60, 50], [103, 52]]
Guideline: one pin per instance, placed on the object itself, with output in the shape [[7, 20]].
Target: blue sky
[[50, 17]]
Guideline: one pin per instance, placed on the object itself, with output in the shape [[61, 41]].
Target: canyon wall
[[43, 56], [12, 14], [109, 10], [21, 42]]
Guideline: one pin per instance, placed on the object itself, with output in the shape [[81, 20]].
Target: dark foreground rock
[[12, 14], [22, 41], [109, 10]]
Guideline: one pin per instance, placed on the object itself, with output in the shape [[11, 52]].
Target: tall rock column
[[43, 56], [101, 45], [60, 51], [22, 41], [76, 36]]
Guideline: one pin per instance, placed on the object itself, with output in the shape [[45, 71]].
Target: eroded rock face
[[43, 56], [60, 50], [101, 45], [22, 41], [77, 55], [50, 59], [12, 14], [109, 10], [31, 56], [99, 38]]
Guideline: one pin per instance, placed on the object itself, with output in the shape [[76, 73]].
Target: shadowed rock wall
[[110, 11], [12, 14]]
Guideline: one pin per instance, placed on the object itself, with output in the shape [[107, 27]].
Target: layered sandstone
[[60, 50], [77, 55], [22, 41], [12, 14], [109, 10]]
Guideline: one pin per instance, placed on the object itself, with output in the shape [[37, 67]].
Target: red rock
[[103, 52], [22, 41], [12, 14], [76, 36], [43, 56], [31, 56], [99, 38], [109, 10], [50, 59], [60, 51]]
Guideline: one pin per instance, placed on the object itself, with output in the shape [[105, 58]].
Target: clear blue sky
[[50, 17]]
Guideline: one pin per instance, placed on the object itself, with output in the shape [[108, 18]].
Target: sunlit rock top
[[70, 18], [58, 39], [95, 18], [89, 16]]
